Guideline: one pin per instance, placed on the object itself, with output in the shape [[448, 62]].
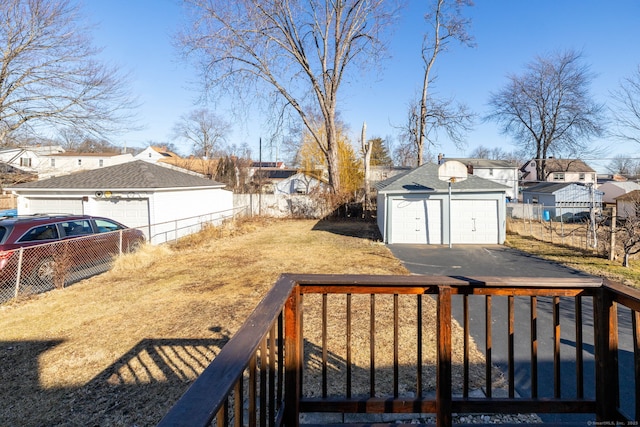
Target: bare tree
[[626, 109], [49, 76], [404, 155], [623, 164], [629, 228], [496, 153], [428, 114], [300, 49], [203, 129], [549, 109]]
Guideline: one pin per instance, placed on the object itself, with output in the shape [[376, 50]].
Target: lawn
[[120, 348], [583, 260]]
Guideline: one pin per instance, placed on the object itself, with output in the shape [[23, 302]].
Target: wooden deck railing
[[345, 344]]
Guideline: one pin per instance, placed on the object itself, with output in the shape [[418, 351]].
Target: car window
[[3, 232], [77, 227], [42, 232], [105, 226]]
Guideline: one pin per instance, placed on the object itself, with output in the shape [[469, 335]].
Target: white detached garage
[[413, 207], [163, 202]]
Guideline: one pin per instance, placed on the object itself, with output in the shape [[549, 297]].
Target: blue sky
[[137, 35]]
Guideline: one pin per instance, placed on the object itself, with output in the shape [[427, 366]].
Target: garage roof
[[137, 174], [425, 178]]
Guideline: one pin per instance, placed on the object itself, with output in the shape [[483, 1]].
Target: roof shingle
[[425, 178]]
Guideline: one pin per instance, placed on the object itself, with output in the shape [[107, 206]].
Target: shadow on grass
[[138, 389], [351, 227]]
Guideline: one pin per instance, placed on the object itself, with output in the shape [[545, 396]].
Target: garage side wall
[[178, 213], [382, 215]]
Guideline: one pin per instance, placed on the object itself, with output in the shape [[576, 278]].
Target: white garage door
[[474, 221], [416, 221], [58, 206], [130, 212]]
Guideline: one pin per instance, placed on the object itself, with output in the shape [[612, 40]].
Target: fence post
[[606, 355], [443, 376], [120, 242], [612, 240], [19, 272], [293, 359]]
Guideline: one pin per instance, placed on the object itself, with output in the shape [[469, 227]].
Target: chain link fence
[[41, 268], [171, 231], [586, 229]]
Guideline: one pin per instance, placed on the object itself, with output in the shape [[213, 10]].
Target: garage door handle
[[474, 224]]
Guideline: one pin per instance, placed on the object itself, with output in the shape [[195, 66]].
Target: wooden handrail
[[199, 404], [220, 385]]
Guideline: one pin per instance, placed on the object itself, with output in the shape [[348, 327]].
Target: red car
[[46, 249]]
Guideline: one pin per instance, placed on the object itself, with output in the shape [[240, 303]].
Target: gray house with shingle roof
[[162, 201], [414, 207]]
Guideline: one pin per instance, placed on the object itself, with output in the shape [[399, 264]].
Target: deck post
[[443, 376], [293, 358], [606, 355]]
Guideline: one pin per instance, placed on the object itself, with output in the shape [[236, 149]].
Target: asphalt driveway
[[474, 260], [496, 260]]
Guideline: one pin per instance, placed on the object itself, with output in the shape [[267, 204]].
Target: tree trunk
[[366, 151], [625, 261]]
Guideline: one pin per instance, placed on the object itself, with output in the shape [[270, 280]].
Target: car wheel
[[44, 272], [134, 246]]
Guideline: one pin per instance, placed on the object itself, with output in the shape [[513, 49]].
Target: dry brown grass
[[579, 259], [120, 348]]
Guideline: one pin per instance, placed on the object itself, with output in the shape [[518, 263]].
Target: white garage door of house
[[130, 212], [474, 221], [59, 206], [416, 221]]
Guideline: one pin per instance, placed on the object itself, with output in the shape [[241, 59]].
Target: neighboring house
[[563, 198], [267, 165], [501, 171], [161, 201], [268, 178], [414, 207], [628, 204], [70, 162], [380, 173], [49, 161], [559, 170], [298, 183], [29, 159], [196, 165], [614, 189], [155, 154]]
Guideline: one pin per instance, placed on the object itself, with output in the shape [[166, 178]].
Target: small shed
[[614, 189], [563, 198], [628, 205], [415, 207], [163, 202]]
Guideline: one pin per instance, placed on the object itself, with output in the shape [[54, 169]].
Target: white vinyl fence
[[281, 205]]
